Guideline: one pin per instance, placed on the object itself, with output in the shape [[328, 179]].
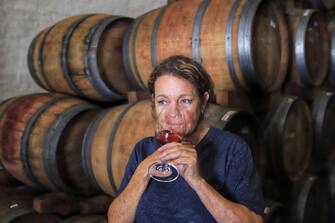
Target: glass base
[[163, 172]]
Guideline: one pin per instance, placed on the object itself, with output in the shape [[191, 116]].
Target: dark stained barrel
[[331, 70], [311, 201], [242, 44], [81, 55], [40, 141], [288, 135], [323, 109], [310, 43]]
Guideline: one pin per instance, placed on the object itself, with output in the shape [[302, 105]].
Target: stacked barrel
[[272, 67]]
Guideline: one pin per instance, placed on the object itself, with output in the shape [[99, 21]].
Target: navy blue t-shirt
[[225, 162]]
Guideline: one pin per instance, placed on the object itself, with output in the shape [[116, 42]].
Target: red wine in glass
[[165, 172], [167, 136]]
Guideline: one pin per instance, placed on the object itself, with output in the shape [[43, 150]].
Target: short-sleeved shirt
[[225, 162]]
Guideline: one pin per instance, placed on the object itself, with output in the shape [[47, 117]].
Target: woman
[[218, 182]]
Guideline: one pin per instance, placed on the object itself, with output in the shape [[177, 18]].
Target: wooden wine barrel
[[331, 70], [242, 44], [310, 47], [241, 123], [111, 137], [85, 219], [311, 201], [323, 109], [288, 136], [40, 141], [81, 55]]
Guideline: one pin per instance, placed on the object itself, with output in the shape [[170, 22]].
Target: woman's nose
[[174, 110]]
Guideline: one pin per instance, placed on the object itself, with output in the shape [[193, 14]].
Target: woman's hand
[[141, 171], [184, 156]]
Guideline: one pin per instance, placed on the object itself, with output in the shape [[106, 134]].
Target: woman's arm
[[222, 209], [123, 207]]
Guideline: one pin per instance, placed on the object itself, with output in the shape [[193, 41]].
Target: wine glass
[[164, 171]]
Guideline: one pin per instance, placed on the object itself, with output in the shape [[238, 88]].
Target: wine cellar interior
[[68, 126]]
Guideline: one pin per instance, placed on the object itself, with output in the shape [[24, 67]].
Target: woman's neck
[[198, 134]]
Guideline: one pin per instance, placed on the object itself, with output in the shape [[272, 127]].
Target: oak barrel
[[323, 110], [311, 201], [331, 70], [40, 141], [110, 139], [288, 135], [310, 51], [242, 44], [81, 55]]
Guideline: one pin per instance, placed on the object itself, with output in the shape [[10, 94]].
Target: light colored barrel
[[242, 44], [110, 139], [81, 55]]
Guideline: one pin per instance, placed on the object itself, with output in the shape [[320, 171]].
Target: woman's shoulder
[[219, 134], [145, 146], [226, 140]]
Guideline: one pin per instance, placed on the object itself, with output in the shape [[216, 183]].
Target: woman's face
[[177, 104]]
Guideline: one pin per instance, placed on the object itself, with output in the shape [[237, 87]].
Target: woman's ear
[[205, 98], [153, 110]]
